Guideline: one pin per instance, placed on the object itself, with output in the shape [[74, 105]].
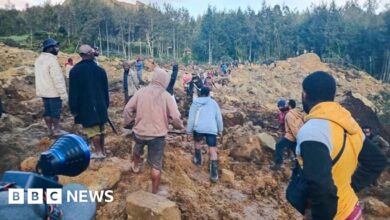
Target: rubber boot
[[198, 157], [214, 171]]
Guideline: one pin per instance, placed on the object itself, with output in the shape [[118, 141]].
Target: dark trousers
[[280, 146], [126, 85]]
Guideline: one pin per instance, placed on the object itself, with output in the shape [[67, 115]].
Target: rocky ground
[[248, 189]]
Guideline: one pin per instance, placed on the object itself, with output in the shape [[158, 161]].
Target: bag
[[297, 193]]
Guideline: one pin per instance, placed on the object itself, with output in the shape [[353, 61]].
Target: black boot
[[214, 171], [198, 157]]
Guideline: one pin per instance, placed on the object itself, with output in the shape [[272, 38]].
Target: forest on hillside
[[353, 35]]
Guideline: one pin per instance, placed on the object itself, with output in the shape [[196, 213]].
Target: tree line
[[351, 35]]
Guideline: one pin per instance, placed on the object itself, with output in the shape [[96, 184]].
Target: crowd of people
[[333, 157]]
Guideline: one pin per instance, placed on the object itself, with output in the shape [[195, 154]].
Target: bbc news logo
[[54, 196]]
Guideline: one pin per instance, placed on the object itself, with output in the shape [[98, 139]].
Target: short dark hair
[[366, 127], [320, 87], [205, 91], [292, 103]]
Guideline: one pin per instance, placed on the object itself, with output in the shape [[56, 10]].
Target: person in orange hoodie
[[151, 110], [292, 123]]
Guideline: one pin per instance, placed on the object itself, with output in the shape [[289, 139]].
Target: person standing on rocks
[[150, 111], [205, 122], [50, 85], [89, 99], [283, 109], [186, 79], [293, 121], [338, 160], [139, 67], [130, 81]]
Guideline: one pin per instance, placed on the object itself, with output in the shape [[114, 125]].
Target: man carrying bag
[[335, 160]]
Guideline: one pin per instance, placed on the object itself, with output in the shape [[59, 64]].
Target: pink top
[[186, 79]]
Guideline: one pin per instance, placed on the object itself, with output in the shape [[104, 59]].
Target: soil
[[248, 105]]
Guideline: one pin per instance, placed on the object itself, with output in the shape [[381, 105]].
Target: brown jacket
[[293, 122], [152, 108]]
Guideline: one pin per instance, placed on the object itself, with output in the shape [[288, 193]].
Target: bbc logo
[[34, 196]]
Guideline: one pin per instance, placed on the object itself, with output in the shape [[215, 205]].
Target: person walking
[[293, 121], [150, 111], [205, 122]]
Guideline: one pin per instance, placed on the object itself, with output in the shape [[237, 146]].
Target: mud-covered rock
[[233, 118], [101, 175], [375, 207], [143, 205], [245, 147], [227, 176], [267, 140]]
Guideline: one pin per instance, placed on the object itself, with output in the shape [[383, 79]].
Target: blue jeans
[[280, 146], [139, 75]]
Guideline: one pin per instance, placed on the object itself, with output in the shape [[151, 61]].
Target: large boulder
[[233, 117], [143, 205], [101, 175], [245, 147], [267, 140]]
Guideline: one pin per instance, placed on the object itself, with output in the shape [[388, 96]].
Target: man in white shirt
[[50, 85]]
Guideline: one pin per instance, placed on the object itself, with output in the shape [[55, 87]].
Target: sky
[[198, 7]]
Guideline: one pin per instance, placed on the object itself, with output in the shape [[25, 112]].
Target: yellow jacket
[[325, 124]]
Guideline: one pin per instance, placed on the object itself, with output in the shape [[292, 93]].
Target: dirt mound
[[247, 100]]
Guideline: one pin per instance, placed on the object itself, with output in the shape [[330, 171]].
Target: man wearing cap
[[292, 122], [88, 98], [50, 85]]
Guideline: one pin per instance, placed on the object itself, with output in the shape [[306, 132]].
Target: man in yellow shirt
[[331, 186]]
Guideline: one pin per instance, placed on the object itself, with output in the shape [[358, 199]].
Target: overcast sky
[[197, 7]]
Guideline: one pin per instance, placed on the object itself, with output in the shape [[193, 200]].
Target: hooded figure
[[205, 122], [205, 116], [151, 110]]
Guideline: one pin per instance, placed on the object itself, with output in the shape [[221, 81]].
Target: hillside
[[249, 111]]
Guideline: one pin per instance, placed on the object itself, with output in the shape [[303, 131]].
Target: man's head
[[126, 65], [281, 105], [204, 92], [292, 104], [367, 130], [51, 46], [317, 87], [86, 52], [96, 52]]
